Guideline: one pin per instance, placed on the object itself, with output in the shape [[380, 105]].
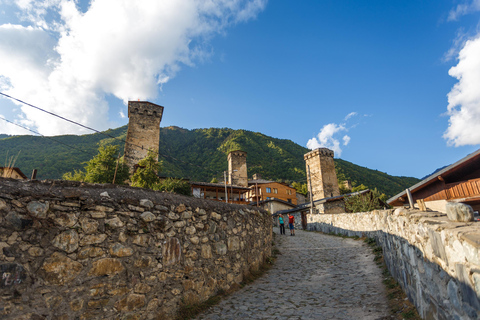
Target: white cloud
[[351, 114], [463, 9], [326, 139], [464, 97], [122, 115], [126, 48]]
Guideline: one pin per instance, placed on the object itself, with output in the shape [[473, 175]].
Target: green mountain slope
[[199, 155]]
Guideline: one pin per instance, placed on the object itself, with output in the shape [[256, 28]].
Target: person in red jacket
[[291, 224]]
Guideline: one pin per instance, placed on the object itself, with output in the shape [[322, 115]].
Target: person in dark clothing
[[282, 224]]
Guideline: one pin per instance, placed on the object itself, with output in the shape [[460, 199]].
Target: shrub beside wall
[[70, 250], [436, 261]]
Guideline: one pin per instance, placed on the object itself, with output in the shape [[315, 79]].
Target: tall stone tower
[[237, 168], [322, 173], [143, 130]]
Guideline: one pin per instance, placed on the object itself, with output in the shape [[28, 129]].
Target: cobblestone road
[[316, 277]]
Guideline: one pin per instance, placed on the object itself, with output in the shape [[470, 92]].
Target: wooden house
[[261, 190], [12, 172], [459, 182]]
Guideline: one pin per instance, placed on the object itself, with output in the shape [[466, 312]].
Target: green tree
[[146, 174], [101, 168], [214, 180], [301, 188], [364, 202], [175, 186]]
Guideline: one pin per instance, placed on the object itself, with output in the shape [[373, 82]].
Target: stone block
[[172, 251], [130, 303], [147, 216], [180, 208], [459, 212], [67, 241], [119, 250], [67, 220], [146, 203], [206, 251], [92, 239], [60, 269], [106, 267], [114, 222], [221, 248], [141, 240], [38, 209], [89, 226], [190, 230], [90, 252], [233, 243]]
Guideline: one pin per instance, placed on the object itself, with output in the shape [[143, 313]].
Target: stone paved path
[[316, 277]]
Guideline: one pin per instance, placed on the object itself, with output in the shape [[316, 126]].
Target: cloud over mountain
[[68, 60]]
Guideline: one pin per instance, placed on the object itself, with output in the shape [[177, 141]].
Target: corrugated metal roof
[[218, 185]]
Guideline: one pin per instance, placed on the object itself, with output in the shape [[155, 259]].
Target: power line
[[67, 145], [97, 131]]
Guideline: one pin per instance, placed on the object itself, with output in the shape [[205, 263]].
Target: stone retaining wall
[[77, 251], [435, 260]]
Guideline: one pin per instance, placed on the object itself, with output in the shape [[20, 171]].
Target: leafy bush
[[364, 202], [102, 168]]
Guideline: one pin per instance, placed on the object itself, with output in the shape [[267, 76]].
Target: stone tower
[[143, 130], [237, 168], [322, 173]]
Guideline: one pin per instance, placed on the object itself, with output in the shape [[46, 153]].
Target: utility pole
[[256, 191], [225, 181], [311, 191]]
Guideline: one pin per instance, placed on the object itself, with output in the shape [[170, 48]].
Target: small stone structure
[[237, 168], [436, 261], [70, 250], [143, 130]]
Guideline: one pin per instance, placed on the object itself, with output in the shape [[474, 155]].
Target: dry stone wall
[[435, 260], [77, 251]]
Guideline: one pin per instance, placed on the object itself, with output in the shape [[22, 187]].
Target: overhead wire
[[101, 132], [62, 143]]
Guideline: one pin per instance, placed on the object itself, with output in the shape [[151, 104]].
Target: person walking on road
[[282, 224], [291, 224]]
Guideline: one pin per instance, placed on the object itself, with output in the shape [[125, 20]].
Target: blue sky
[[368, 79]]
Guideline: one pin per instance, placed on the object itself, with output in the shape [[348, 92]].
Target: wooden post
[[410, 199], [311, 191], [116, 168], [34, 174], [421, 205]]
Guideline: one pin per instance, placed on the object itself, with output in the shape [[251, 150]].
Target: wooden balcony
[[463, 189]]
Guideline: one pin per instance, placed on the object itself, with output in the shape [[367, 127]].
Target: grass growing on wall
[[398, 302]]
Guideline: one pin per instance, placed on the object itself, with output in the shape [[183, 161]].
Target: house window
[[269, 190], [289, 200], [289, 191], [275, 190]]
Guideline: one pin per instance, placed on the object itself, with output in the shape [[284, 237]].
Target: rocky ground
[[316, 276]]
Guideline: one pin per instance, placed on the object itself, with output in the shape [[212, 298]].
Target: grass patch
[[189, 310], [398, 302]]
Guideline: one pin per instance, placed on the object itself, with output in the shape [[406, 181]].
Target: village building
[[459, 182], [12, 172], [274, 205], [262, 190]]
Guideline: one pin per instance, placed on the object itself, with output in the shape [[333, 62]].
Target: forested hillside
[[199, 155]]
